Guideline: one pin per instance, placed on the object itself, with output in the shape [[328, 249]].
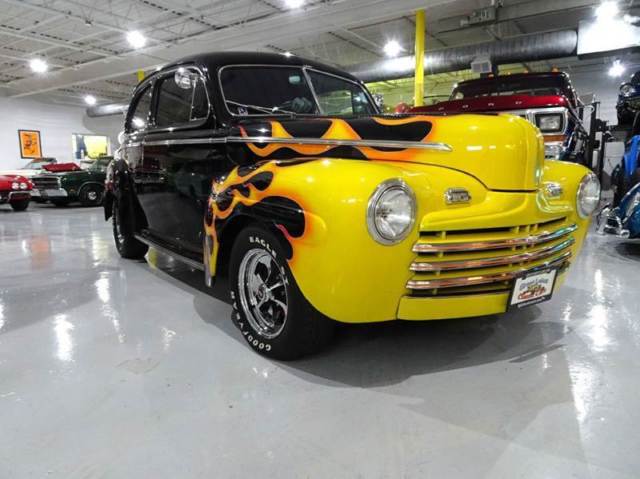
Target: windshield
[[290, 92], [100, 165], [534, 86], [36, 164]]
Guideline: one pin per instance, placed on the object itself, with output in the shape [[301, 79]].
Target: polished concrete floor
[[118, 369]]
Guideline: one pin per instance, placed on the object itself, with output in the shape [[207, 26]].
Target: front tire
[[91, 195], [126, 243], [20, 205], [269, 309]]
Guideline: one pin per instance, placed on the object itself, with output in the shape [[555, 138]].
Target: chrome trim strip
[[168, 252], [356, 143], [303, 141], [419, 267], [185, 141], [494, 244], [483, 279]]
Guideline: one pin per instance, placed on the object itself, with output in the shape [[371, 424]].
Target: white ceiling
[[84, 40]]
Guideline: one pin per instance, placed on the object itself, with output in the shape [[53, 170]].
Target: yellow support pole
[[140, 75], [419, 78]]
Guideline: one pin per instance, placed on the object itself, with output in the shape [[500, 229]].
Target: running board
[[166, 251]]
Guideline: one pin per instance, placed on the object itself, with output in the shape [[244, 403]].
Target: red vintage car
[[15, 190], [548, 100]]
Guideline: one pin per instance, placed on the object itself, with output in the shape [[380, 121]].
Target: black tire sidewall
[[129, 247], [84, 195], [19, 205], [304, 326]]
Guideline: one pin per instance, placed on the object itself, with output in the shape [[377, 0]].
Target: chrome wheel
[[263, 293], [92, 195]]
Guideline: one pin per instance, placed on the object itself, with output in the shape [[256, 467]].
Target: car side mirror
[[185, 79]]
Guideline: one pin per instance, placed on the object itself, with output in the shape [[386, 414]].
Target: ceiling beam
[[283, 26]]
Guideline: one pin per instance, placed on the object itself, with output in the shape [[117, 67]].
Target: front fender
[[320, 206]]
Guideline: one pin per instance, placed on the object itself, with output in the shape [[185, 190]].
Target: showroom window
[[141, 115], [339, 97], [182, 99]]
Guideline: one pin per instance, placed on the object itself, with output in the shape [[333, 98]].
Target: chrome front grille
[[487, 260], [46, 182]]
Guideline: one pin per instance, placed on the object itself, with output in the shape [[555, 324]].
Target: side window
[[182, 98], [340, 97], [140, 116]]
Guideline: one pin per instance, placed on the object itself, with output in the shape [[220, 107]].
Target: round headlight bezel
[[15, 185], [23, 186], [589, 178], [627, 89], [383, 189]]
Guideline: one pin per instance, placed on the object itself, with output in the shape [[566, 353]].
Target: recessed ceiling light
[[90, 100], [288, 54], [136, 39], [392, 48], [607, 10], [617, 69], [294, 3], [38, 65]]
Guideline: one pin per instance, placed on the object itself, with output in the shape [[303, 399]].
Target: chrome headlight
[[23, 186], [391, 212], [627, 89], [552, 122], [15, 186], [588, 195]]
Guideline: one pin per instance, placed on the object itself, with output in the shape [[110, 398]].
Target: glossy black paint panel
[[174, 185]]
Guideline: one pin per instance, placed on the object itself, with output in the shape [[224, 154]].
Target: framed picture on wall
[[30, 146]]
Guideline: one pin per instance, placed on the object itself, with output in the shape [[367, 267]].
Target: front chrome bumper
[[14, 196], [609, 222], [50, 193]]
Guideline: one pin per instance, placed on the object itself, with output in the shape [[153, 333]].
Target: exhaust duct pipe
[[525, 48]]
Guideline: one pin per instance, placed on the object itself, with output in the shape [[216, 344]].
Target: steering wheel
[[299, 105]]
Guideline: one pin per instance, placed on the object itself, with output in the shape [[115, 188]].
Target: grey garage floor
[[116, 369]]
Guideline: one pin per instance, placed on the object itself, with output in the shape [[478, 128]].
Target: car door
[[185, 154]]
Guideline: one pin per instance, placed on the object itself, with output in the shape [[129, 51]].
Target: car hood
[[495, 104], [503, 152]]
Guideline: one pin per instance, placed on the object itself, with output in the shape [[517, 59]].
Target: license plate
[[533, 288], [54, 193]]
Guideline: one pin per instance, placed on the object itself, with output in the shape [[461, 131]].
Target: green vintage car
[[73, 184]]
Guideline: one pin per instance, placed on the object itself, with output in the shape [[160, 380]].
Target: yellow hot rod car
[[280, 174]]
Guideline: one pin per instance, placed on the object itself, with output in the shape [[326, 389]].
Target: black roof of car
[[215, 60]]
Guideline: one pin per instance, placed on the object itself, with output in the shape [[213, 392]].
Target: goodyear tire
[[20, 205], [126, 243], [272, 314], [91, 195]]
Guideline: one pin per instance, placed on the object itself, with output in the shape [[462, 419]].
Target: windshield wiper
[[264, 109]]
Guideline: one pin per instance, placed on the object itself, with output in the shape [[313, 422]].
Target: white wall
[[56, 124]]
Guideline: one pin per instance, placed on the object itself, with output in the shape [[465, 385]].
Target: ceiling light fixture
[[90, 100], [288, 54], [617, 69], [38, 65], [293, 3], [136, 39], [607, 11], [392, 48]]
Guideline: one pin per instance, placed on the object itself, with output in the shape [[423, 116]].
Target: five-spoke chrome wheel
[[263, 293]]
